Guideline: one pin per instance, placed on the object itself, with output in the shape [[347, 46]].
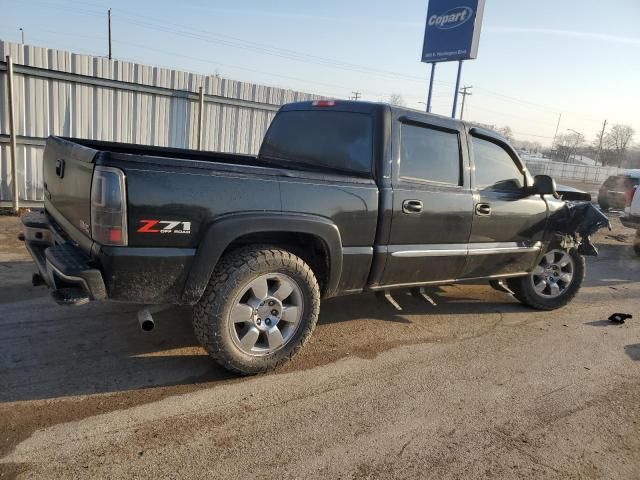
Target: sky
[[536, 60]]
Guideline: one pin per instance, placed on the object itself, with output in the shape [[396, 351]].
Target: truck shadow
[[615, 264], [15, 282], [47, 351]]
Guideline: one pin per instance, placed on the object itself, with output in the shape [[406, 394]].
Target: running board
[[385, 295], [422, 293], [501, 286]]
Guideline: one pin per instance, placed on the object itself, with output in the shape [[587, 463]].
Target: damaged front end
[[574, 224]]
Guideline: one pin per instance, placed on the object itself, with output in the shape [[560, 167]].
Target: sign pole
[[433, 72], [455, 95]]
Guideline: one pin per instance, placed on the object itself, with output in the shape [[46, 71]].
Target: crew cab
[[344, 197]]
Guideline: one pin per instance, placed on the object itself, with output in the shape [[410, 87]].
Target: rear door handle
[[411, 206], [483, 209]]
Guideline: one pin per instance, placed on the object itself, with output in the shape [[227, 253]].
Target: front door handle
[[411, 206], [483, 209]]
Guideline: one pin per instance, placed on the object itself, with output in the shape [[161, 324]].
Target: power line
[[505, 114], [206, 61], [235, 42], [531, 135]]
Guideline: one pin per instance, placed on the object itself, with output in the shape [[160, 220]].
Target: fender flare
[[224, 230]]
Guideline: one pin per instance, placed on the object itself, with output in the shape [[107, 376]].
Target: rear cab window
[[321, 139]]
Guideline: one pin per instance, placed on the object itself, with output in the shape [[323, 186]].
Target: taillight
[[108, 207], [630, 192]]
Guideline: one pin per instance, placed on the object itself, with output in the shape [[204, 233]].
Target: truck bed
[[201, 190], [167, 152]]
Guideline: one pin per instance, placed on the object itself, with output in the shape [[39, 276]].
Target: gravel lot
[[478, 386]]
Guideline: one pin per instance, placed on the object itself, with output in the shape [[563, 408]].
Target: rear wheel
[[636, 242], [553, 282], [258, 310]]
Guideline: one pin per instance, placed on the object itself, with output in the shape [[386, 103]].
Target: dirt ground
[[476, 387]]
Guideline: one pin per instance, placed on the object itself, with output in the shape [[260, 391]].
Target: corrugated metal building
[[63, 93]]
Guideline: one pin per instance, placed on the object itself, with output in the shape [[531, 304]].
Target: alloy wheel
[[266, 314], [553, 275]]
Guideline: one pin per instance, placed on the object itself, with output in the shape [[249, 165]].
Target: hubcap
[[553, 275], [266, 314]]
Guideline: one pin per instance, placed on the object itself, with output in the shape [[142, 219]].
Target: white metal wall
[[45, 105], [571, 171]]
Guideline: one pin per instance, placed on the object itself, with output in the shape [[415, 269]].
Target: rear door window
[[330, 139], [429, 154]]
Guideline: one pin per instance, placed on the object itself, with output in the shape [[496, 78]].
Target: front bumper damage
[[575, 223]]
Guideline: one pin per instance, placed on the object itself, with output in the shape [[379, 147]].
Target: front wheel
[[258, 310], [553, 282]]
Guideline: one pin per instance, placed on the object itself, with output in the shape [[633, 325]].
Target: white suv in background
[[631, 217]]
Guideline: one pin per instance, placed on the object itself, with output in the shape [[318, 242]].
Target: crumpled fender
[[579, 221]]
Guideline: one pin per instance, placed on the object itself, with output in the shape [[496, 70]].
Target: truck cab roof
[[375, 107]]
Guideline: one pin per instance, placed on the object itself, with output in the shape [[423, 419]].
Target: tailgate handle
[[60, 167]]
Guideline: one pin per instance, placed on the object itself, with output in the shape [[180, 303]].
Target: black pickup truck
[[343, 198]]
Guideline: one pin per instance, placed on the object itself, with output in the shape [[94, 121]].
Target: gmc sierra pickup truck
[[343, 197]]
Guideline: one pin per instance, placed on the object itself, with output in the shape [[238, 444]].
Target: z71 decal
[[164, 226]]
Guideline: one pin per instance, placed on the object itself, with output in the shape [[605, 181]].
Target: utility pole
[[464, 93], [556, 134], [579, 138], [356, 96], [109, 13], [22, 35], [604, 125]]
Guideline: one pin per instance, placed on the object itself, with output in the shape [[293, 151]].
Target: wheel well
[[310, 248]]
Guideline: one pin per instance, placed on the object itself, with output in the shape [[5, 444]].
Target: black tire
[[523, 290], [211, 315], [636, 242], [604, 204]]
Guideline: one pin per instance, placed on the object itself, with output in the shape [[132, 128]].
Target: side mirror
[[544, 185]]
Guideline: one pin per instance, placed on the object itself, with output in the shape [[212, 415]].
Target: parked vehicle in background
[[616, 190], [631, 217], [344, 197]]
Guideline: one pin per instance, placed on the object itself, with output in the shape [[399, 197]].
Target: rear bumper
[[125, 274], [630, 221], [61, 264]]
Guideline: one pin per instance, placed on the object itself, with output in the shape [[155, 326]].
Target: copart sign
[[452, 30]]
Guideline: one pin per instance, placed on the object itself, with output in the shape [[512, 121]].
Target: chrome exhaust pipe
[[145, 320]]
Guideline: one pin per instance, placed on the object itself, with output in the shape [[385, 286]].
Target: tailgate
[[68, 171]]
